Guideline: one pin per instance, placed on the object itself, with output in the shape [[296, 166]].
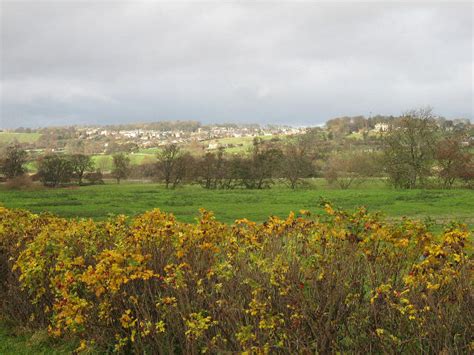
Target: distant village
[[148, 138], [142, 136], [134, 137]]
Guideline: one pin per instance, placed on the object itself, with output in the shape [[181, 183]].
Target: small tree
[[12, 165], [54, 170], [81, 164], [121, 167], [167, 162]]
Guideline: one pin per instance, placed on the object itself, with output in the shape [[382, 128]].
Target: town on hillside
[[133, 138]]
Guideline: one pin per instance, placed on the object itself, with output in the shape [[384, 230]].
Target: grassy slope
[[99, 201]]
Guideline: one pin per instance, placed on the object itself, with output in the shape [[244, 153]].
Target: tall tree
[[409, 148], [168, 159]]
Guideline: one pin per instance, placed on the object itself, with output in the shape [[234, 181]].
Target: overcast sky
[[83, 62]]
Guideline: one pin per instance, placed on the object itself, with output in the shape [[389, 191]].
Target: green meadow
[[100, 201]]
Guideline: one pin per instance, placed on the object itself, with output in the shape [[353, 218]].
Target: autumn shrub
[[347, 282]]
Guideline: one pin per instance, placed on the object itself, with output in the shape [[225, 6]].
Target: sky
[[299, 63]]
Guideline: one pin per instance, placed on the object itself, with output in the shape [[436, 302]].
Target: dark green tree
[[121, 167], [81, 164], [12, 164], [54, 170]]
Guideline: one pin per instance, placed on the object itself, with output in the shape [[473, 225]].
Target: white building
[[381, 127]]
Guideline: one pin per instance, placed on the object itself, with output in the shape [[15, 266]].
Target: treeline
[[341, 126], [416, 152], [186, 125]]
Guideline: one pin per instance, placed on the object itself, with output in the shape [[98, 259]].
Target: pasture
[[98, 202]]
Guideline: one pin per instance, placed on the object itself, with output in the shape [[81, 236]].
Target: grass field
[[98, 202], [8, 137], [14, 341]]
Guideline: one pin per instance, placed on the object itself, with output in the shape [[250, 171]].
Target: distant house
[[213, 146], [381, 127]]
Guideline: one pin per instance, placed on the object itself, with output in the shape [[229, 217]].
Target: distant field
[[99, 201], [104, 162], [9, 137], [241, 144]]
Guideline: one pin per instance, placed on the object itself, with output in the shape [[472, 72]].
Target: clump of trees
[[56, 169], [417, 149]]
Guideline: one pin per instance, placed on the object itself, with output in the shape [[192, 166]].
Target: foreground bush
[[337, 282]]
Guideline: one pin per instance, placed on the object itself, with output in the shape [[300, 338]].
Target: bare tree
[[296, 162], [453, 159], [350, 168], [167, 162]]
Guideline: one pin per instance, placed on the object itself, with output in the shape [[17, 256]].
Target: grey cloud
[[298, 63]]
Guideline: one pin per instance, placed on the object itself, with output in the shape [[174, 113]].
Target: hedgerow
[[334, 282]]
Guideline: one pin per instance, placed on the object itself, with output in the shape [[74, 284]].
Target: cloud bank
[[268, 62]]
